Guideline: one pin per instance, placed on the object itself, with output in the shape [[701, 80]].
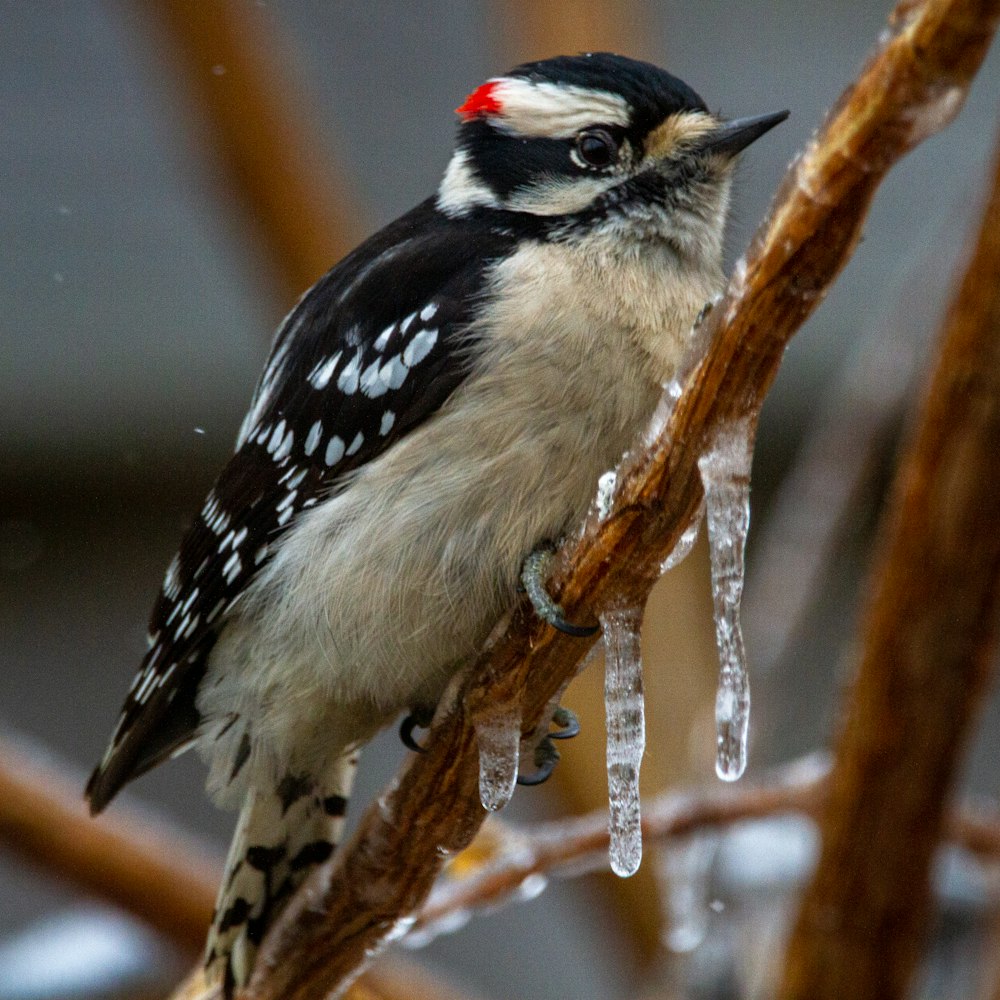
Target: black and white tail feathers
[[282, 834]]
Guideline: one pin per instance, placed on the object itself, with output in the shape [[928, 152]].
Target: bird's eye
[[596, 147]]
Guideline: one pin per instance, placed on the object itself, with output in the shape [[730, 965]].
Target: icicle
[[725, 474], [684, 869], [684, 544], [626, 734], [499, 738]]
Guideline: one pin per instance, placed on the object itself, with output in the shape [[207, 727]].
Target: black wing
[[372, 350]]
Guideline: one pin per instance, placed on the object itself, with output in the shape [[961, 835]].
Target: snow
[[626, 725], [725, 474], [499, 737]]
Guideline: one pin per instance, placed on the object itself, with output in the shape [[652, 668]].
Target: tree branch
[[910, 88], [135, 860], [131, 860], [930, 636], [580, 844]]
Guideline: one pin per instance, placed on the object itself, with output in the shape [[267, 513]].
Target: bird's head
[[598, 144]]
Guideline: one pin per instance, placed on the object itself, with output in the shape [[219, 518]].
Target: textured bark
[[929, 640], [910, 89]]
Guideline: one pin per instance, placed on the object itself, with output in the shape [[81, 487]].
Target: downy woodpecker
[[433, 409]]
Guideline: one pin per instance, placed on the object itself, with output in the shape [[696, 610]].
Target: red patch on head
[[480, 102]]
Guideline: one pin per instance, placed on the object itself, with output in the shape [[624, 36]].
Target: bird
[[436, 408]]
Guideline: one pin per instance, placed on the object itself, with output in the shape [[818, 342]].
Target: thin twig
[[929, 639], [909, 90], [580, 845]]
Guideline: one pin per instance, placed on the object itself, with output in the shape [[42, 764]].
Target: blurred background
[[172, 175]]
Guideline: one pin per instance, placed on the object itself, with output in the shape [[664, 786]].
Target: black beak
[[733, 137]]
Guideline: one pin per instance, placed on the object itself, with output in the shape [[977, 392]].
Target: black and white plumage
[[436, 406]]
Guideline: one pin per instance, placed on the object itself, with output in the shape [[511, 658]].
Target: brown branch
[[272, 158], [579, 845], [908, 90], [135, 860], [929, 636], [130, 859]]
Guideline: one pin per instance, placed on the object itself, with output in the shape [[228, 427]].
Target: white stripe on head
[[461, 190], [553, 110], [559, 195]]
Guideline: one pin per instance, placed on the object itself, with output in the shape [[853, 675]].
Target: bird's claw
[[418, 718], [568, 723], [533, 580], [546, 758]]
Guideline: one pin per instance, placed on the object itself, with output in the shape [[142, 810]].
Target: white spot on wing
[[393, 372], [232, 567], [371, 385], [287, 501], [418, 348], [315, 433], [320, 376], [427, 313], [285, 448], [383, 337], [171, 581], [276, 436], [347, 381], [359, 440], [334, 451], [388, 419]]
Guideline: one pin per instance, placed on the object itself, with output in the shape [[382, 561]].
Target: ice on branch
[[499, 737], [725, 475], [626, 725], [684, 870], [606, 493], [685, 543]]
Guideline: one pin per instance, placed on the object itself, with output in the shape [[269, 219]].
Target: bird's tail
[[282, 834]]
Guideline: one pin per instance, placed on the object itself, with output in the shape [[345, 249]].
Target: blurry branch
[[274, 160], [135, 860], [911, 88], [132, 860], [538, 29], [929, 638], [579, 845], [837, 461]]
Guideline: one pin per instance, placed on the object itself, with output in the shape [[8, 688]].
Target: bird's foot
[[533, 579], [546, 754], [419, 718]]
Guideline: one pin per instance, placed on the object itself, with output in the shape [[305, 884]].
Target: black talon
[[546, 758], [533, 581], [406, 728], [569, 725]]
